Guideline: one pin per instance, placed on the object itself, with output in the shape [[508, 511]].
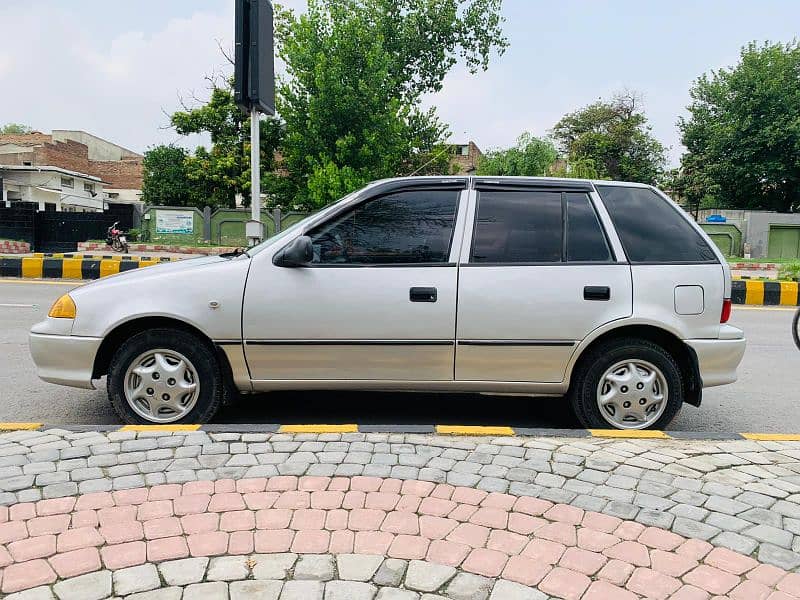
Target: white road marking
[[19, 306]]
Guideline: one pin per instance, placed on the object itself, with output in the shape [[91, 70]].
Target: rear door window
[[651, 229], [586, 241]]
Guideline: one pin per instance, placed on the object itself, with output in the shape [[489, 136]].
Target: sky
[[118, 69]]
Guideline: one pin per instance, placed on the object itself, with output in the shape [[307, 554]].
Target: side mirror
[[297, 254]]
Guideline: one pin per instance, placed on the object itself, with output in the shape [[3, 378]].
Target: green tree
[[615, 136], [743, 131], [531, 156], [356, 70], [15, 128], [165, 179]]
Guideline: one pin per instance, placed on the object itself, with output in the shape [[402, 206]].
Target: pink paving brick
[[342, 542], [336, 520], [168, 491], [5, 557], [532, 506], [506, 542], [154, 509], [600, 522], [268, 542], [22, 511], [409, 503], [390, 486], [198, 487], [436, 528], [120, 556], [237, 520], [474, 536], [52, 524], [712, 579], [603, 590], [462, 512], [161, 528], [241, 542], [409, 547], [422, 489], [94, 501], [731, 561], [307, 519], [463, 495], [366, 484], [84, 518], [655, 537], [564, 583], [260, 500], [767, 574], [565, 513], [616, 571], [582, 561], [382, 500], [116, 515], [629, 530], [401, 522], [226, 501], [526, 571], [76, 562], [490, 517], [342, 484], [211, 543], [447, 553], [596, 541], [790, 584], [21, 576], [750, 590], [224, 486], [252, 486], [126, 531], [192, 504], [167, 549], [55, 506], [81, 537], [443, 490], [364, 519], [34, 547], [310, 483], [200, 523], [482, 561], [689, 592], [499, 501], [631, 552], [130, 497], [544, 551], [695, 549], [293, 500], [273, 518], [563, 533], [652, 584], [774, 596], [373, 542], [311, 542], [327, 500], [283, 483], [436, 507], [11, 531], [670, 563], [354, 499]]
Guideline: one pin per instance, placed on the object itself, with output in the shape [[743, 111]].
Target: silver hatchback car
[[604, 292]]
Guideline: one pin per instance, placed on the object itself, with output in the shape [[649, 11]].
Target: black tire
[[795, 324], [198, 351], [592, 366]]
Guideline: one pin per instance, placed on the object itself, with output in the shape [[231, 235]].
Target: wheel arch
[[683, 354]]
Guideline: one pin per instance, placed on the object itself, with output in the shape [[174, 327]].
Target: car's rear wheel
[[627, 384], [163, 376]]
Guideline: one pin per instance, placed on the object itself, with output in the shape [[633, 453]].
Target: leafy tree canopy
[[531, 157], [14, 128], [615, 136], [164, 178], [743, 131]]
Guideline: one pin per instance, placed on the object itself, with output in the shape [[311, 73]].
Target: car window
[[651, 229], [586, 241], [406, 227], [518, 227]]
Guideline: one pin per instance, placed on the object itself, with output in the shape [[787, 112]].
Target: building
[[111, 169], [757, 233], [465, 158], [52, 188]]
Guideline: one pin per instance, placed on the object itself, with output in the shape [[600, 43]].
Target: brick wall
[[122, 174]]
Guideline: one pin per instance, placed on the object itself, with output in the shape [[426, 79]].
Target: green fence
[[726, 236]]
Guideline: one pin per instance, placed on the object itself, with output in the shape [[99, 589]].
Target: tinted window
[[518, 227], [414, 226], [651, 230], [585, 239]]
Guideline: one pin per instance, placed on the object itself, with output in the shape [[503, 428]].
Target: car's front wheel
[[162, 376], [627, 384]]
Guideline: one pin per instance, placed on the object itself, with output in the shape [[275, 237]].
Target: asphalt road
[[764, 399]]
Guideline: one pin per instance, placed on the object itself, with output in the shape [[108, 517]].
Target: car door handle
[[597, 292], [422, 294]]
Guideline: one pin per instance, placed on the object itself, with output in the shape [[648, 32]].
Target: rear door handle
[[597, 292], [422, 294]]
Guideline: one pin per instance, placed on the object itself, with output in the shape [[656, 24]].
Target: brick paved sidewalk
[[160, 515]]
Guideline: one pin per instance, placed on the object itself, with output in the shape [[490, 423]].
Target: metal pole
[[254, 235]]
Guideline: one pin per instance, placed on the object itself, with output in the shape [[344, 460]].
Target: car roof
[[510, 179]]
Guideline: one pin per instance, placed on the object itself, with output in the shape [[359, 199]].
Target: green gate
[[784, 242]]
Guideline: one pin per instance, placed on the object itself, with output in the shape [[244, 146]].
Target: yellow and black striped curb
[[455, 430], [78, 267], [766, 293]]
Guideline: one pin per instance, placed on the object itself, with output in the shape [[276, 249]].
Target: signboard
[[174, 221], [716, 219], [254, 69]]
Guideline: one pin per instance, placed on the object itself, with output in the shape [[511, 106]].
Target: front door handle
[[422, 294], [597, 292]]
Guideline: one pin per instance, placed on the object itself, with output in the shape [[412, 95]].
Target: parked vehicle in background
[[603, 292], [117, 239]]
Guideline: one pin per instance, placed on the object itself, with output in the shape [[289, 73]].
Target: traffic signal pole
[[254, 233]]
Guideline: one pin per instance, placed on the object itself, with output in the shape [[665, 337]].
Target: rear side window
[[652, 230], [586, 241]]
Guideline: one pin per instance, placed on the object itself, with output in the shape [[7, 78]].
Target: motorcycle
[[117, 239]]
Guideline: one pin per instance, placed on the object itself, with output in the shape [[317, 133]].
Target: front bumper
[[718, 358], [64, 359]]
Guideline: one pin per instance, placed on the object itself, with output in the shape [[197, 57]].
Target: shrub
[[790, 270]]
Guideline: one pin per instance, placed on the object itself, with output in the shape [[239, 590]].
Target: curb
[[765, 293], [453, 430], [68, 266]]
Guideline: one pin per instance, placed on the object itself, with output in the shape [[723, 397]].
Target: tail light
[[726, 310]]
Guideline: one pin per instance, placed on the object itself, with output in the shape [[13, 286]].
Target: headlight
[[63, 308]]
